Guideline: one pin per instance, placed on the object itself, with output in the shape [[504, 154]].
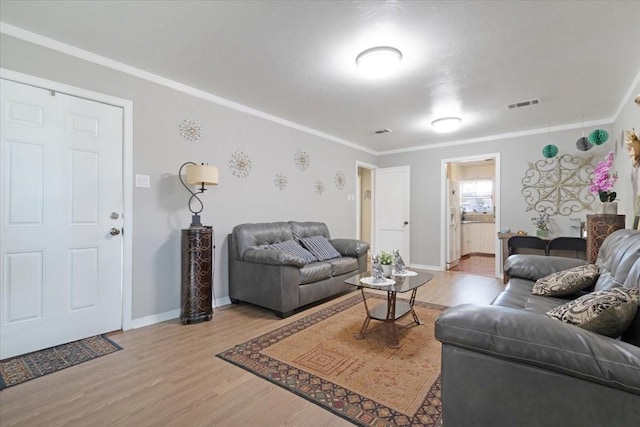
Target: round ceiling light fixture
[[446, 124], [379, 61]]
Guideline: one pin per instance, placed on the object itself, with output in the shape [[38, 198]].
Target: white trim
[[127, 171], [627, 98], [155, 318], [489, 138], [426, 267], [443, 210], [124, 68], [222, 301]]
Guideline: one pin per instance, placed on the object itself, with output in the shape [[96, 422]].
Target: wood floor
[[484, 265], [168, 375]]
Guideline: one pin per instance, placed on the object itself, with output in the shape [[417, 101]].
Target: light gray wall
[[158, 150], [515, 154], [628, 185]]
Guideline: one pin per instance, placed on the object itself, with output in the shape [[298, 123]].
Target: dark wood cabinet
[[197, 275], [598, 228]]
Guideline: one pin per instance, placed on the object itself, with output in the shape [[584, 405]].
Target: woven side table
[[598, 228]]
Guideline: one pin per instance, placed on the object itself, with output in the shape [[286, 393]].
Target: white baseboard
[[155, 318], [221, 301], [426, 267], [168, 315]]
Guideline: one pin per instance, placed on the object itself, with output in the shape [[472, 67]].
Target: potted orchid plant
[[603, 182]]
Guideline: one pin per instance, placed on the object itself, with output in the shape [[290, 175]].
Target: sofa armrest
[[273, 257], [350, 247], [532, 339], [534, 267]]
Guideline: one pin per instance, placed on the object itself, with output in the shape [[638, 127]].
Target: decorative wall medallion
[[340, 180], [319, 187], [190, 130], [280, 181], [559, 185], [240, 164], [302, 160]]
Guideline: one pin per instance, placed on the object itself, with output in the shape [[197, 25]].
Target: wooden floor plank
[[168, 375]]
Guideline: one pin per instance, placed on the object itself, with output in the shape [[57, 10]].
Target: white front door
[[60, 196], [392, 211]]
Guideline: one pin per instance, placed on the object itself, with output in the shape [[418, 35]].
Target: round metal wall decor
[[558, 186], [340, 180], [190, 130], [280, 181], [302, 160], [319, 187], [240, 164]]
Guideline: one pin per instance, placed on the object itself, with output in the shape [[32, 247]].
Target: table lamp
[[199, 175]]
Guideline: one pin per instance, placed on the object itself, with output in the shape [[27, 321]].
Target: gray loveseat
[[280, 280], [509, 365]]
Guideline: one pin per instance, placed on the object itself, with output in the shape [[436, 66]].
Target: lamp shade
[[202, 174]]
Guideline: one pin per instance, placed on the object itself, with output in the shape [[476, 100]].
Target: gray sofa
[[280, 280], [509, 365]]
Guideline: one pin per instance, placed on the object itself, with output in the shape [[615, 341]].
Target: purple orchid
[[603, 180]]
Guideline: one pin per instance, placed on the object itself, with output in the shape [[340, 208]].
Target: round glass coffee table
[[392, 309]]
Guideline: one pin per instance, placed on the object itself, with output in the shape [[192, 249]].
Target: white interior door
[[392, 211], [61, 194]]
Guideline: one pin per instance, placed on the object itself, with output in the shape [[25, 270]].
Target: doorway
[[364, 214], [62, 218], [471, 214]]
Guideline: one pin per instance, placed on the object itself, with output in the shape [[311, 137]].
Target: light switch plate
[[143, 181]]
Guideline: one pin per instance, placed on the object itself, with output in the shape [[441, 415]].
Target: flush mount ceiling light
[[379, 61], [446, 124]]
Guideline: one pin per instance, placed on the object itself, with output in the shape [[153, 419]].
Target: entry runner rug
[[23, 368], [361, 380]]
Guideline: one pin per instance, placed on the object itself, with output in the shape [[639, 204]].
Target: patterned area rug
[[361, 380], [23, 368]]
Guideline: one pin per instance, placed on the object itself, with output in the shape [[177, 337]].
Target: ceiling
[[296, 60]]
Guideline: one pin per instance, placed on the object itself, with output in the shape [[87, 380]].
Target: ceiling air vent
[[523, 104], [381, 131]]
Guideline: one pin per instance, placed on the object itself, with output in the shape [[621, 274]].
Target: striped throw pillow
[[320, 247], [293, 247]]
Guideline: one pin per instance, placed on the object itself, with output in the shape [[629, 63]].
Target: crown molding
[[52, 44]]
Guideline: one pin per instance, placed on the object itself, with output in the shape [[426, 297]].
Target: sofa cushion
[[515, 295], [540, 305], [320, 247], [342, 265], [566, 282], [608, 312], [314, 272], [616, 257], [301, 230], [293, 247]]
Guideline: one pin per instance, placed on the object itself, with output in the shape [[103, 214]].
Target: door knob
[[114, 231], [406, 223]]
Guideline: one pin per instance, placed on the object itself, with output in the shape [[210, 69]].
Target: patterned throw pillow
[[567, 282], [293, 247], [607, 312], [320, 247]]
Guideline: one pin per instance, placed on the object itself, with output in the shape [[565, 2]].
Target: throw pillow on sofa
[[320, 247], [293, 247], [567, 282], [607, 312]]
